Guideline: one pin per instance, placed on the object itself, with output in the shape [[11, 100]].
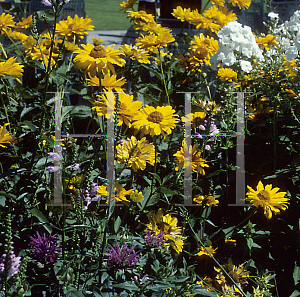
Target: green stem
[[163, 77]]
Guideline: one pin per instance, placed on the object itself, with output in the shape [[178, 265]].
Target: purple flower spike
[[154, 239], [122, 257], [44, 247], [13, 264]]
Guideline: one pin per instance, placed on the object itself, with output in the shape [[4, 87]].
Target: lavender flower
[[141, 280], [44, 247], [154, 239], [89, 194], [122, 257], [13, 264], [50, 3]]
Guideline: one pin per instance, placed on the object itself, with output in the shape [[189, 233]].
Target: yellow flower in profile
[[203, 23], [208, 251], [24, 24], [108, 82], [242, 4], [155, 121], [6, 137], [140, 19], [153, 42], [6, 21], [134, 53], [120, 193], [227, 74], [209, 106], [268, 198], [206, 200], [196, 118], [16, 35], [127, 4], [74, 27], [290, 67], [265, 42], [182, 14], [95, 59], [136, 153], [197, 161], [220, 15], [136, 196], [166, 225], [218, 2], [126, 110], [71, 47], [12, 68]]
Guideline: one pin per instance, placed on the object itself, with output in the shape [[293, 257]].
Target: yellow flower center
[[155, 117], [164, 227], [98, 52], [263, 195]]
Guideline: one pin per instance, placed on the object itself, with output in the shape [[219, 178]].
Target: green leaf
[[28, 124], [41, 217], [2, 200], [296, 274], [203, 292], [117, 224], [167, 191], [26, 110], [156, 176], [295, 294]]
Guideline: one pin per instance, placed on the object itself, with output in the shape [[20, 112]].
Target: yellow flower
[[265, 42], [218, 2], [202, 50], [290, 92], [136, 196], [209, 106], [227, 74], [220, 15], [242, 4], [268, 198], [127, 4], [16, 35], [197, 161], [203, 23], [206, 201], [24, 24], [208, 251], [71, 47], [108, 82], [196, 118], [140, 19], [166, 225], [136, 153], [6, 137], [182, 14], [95, 59], [152, 41], [120, 192], [6, 21], [74, 27], [126, 109], [134, 53], [290, 67], [155, 121], [12, 68]]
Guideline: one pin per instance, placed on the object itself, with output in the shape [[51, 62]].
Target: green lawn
[[106, 14]]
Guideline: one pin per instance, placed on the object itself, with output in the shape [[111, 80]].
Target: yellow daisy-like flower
[[206, 200], [71, 47], [155, 121], [290, 67], [134, 53], [95, 59], [127, 4], [197, 161], [202, 50], [16, 35], [265, 42], [203, 23], [6, 137], [108, 82], [196, 118], [220, 15], [120, 192], [74, 27], [209, 106], [127, 108], [227, 74], [183, 14], [242, 4], [6, 21], [136, 153], [167, 225], [136, 196], [268, 198], [218, 2], [24, 24], [12, 68], [153, 42], [140, 19], [208, 251]]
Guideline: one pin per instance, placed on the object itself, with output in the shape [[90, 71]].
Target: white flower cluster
[[288, 36], [237, 45]]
